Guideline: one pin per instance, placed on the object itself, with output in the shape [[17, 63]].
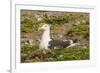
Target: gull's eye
[[46, 26]]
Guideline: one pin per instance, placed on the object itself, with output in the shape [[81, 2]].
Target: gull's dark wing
[[59, 43]]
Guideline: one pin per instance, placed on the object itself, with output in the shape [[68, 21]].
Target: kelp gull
[[46, 42]]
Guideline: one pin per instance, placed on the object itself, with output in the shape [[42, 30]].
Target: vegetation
[[30, 54], [69, 25], [78, 30]]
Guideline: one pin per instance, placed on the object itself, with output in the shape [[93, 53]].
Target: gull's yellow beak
[[40, 28]]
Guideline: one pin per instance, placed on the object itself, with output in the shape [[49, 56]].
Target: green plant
[[37, 55]]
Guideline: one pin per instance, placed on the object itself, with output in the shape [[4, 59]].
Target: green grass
[[33, 54]]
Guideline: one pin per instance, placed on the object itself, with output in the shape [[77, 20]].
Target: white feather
[[44, 42]]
